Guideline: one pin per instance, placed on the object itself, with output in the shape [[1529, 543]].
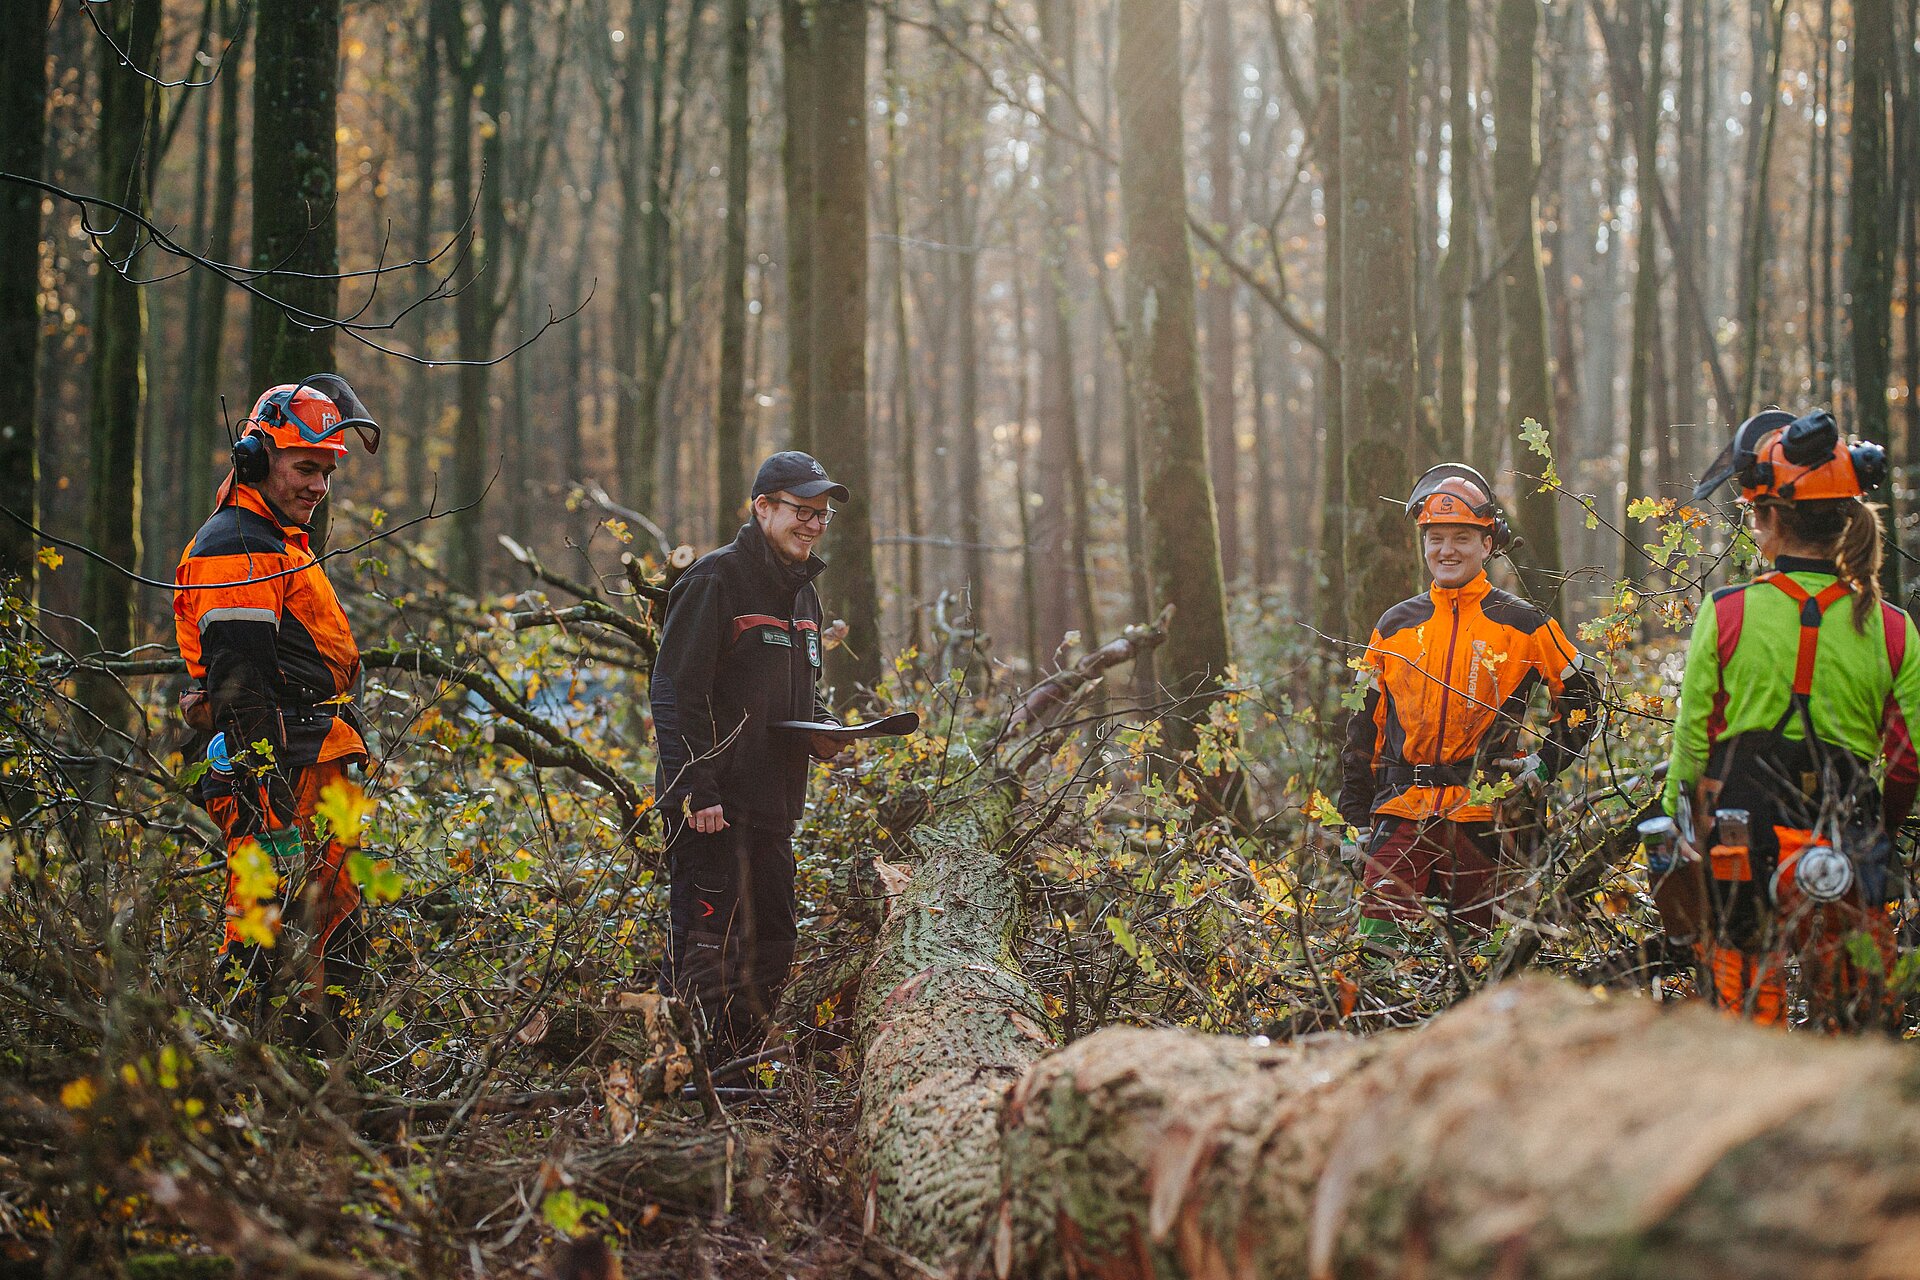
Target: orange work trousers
[[316, 892]]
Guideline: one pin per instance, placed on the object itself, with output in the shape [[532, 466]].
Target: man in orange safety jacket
[[1448, 677], [273, 665]]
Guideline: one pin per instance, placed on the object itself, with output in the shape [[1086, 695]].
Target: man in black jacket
[[739, 652]]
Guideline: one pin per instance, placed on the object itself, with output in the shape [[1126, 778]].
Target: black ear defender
[[1869, 464], [1430, 482], [250, 458]]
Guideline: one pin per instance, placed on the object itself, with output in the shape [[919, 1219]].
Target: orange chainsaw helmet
[[1804, 459], [1454, 493], [314, 413]]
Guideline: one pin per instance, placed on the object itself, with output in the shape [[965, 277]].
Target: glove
[[1353, 848], [1528, 772]]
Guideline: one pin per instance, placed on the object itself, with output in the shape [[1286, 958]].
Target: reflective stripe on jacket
[[1741, 681], [1451, 673], [272, 647]]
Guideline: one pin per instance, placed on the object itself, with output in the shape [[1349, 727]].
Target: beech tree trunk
[[1223, 123], [840, 432], [1533, 1131], [23, 135], [118, 405], [295, 223], [1873, 223], [730, 478], [796, 155], [1516, 206], [1183, 535], [1377, 354]]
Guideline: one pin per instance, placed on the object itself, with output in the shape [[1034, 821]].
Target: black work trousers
[[730, 901]]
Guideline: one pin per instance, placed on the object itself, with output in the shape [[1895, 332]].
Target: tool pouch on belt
[[196, 708]]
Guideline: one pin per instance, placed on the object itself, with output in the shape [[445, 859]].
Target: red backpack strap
[[1730, 612], [1812, 608], [1894, 621]]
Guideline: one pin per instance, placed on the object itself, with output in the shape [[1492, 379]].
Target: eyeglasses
[[822, 516]]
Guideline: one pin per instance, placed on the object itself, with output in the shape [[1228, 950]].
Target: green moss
[[173, 1266]]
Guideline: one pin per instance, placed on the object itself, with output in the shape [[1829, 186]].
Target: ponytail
[[1846, 530], [1858, 556]]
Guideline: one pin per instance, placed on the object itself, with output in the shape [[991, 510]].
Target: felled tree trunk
[[1534, 1131]]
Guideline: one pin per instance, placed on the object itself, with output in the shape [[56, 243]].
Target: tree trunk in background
[[906, 442], [23, 135], [839, 345], [1063, 530], [479, 86], [1266, 448], [1689, 193], [1183, 538], [206, 432], [1755, 231], [962, 160], [1487, 438], [295, 220], [118, 405], [1646, 282], [798, 94], [1223, 123], [1331, 606], [1565, 23], [730, 479], [423, 407], [1516, 207], [1454, 279], [1377, 303], [1873, 231]]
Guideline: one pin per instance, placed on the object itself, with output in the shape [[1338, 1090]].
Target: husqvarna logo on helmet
[[327, 418]]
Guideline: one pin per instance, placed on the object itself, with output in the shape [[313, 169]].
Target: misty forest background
[[898, 236]]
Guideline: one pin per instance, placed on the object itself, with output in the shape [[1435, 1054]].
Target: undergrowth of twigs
[[513, 1082]]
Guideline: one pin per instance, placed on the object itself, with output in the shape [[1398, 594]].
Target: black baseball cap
[[798, 474]]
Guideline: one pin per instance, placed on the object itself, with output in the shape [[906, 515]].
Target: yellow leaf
[[257, 924], [77, 1095], [254, 878], [346, 808], [50, 557]]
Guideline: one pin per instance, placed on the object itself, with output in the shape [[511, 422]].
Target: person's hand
[[1353, 849], [709, 820], [1527, 771], [835, 751]]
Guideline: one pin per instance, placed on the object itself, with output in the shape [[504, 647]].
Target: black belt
[[1458, 774]]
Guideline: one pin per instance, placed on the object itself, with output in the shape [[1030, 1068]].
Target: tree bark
[[1873, 227], [1062, 569], [118, 406], [205, 432], [906, 442], [797, 88], [1534, 1130], [295, 225], [1461, 233], [1331, 605], [730, 480], [1183, 535], [23, 135], [1770, 21], [1223, 123], [1516, 165], [1646, 283], [1377, 303], [840, 331]]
